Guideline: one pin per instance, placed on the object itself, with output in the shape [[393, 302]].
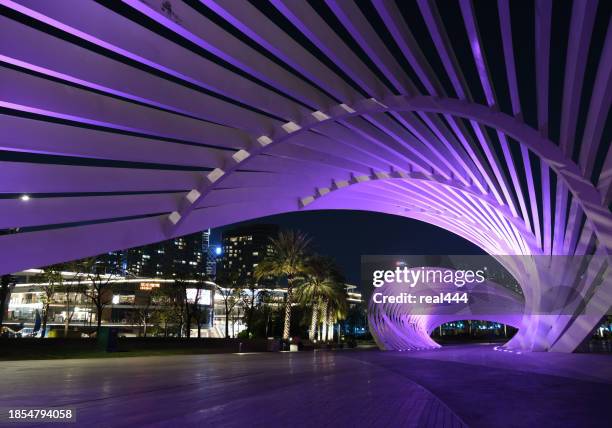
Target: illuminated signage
[[148, 285]]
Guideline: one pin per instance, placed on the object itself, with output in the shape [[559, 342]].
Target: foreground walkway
[[451, 387]]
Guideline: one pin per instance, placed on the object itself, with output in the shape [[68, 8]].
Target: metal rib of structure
[[131, 122]]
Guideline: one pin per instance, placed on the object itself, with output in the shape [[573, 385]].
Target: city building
[[129, 303], [182, 255], [243, 249], [209, 252]]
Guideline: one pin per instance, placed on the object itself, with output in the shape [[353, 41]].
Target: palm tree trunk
[[98, 319], [287, 325], [68, 316], [44, 320], [315, 320], [226, 320], [188, 325], [330, 325], [250, 314], [325, 317]]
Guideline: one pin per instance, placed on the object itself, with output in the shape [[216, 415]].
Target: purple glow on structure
[[407, 326], [249, 133]]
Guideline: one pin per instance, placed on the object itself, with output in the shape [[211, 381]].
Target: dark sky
[[346, 235]]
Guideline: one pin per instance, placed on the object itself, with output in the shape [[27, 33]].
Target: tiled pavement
[[447, 388]]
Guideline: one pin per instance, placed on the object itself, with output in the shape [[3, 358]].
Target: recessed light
[[25, 197]]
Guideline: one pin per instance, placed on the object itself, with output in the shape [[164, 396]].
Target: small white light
[[174, 217], [322, 191], [25, 197], [347, 108], [379, 103], [240, 155], [215, 174], [115, 299], [307, 200], [340, 183], [264, 140], [319, 115], [290, 127], [193, 195]]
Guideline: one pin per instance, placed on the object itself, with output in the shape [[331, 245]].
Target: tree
[[100, 275], [6, 286], [335, 309], [250, 298], [199, 314], [70, 290], [318, 286], [143, 312], [231, 295], [168, 308], [51, 279], [181, 285], [286, 261], [267, 311]]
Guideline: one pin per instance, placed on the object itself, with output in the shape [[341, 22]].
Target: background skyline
[[346, 235]]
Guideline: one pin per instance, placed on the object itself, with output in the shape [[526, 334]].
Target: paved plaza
[[455, 386]]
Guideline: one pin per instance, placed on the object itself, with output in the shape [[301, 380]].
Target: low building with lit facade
[[126, 299]]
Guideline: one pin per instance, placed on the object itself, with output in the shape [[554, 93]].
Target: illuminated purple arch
[[406, 327], [130, 124]]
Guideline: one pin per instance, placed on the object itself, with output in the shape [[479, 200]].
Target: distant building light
[[116, 299], [218, 251], [148, 285]]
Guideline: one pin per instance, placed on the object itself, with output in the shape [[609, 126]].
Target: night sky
[[346, 235]]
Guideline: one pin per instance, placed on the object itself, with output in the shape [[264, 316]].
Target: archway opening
[[472, 331]]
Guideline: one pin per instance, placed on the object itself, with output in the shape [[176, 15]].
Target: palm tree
[[286, 260], [318, 286], [337, 309]]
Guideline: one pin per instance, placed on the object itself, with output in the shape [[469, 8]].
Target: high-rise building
[[209, 254], [243, 249], [175, 257]]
